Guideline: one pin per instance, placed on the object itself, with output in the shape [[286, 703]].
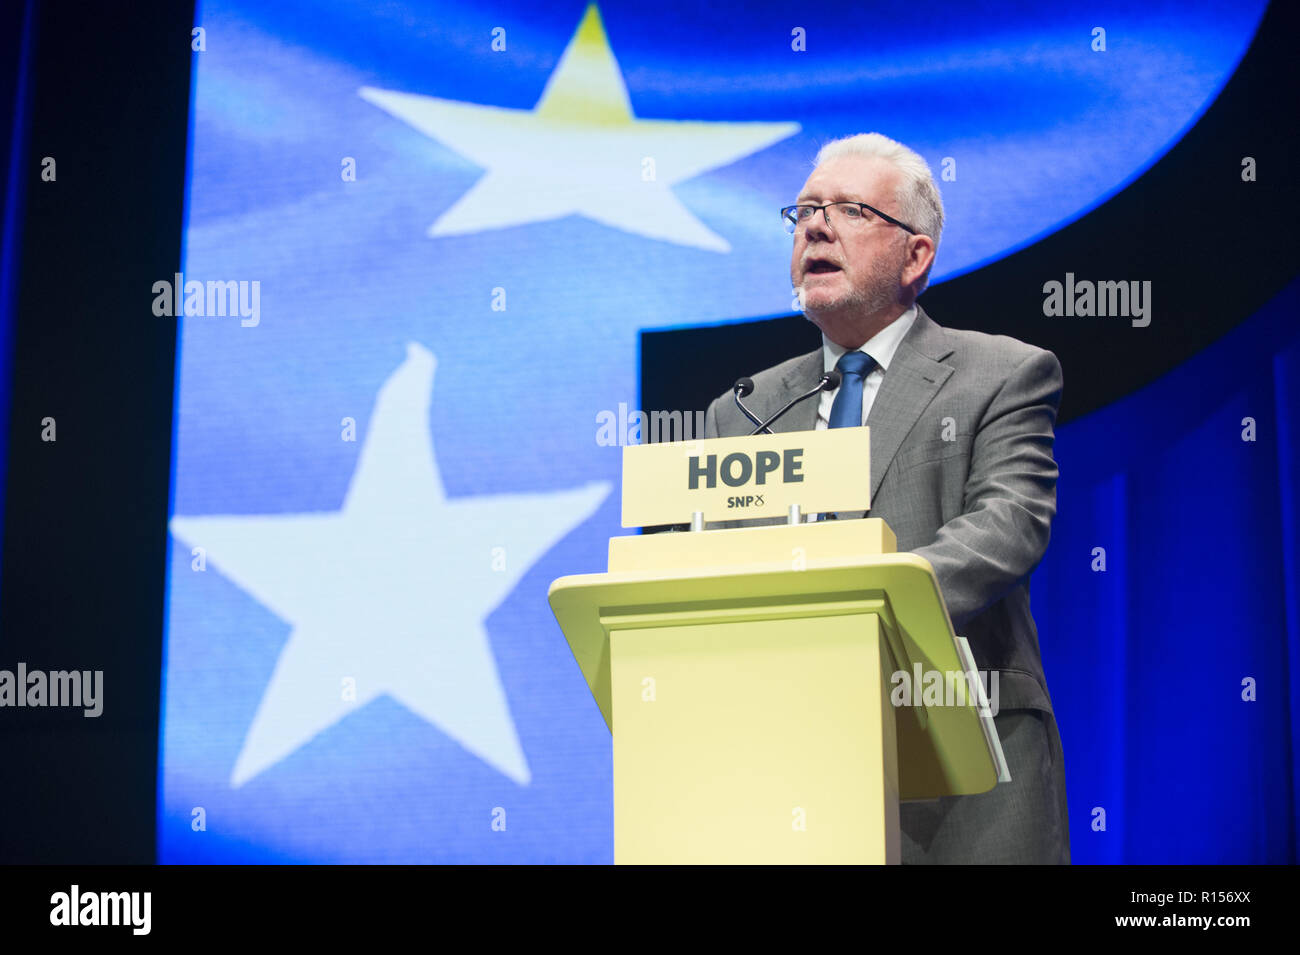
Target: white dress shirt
[[881, 348]]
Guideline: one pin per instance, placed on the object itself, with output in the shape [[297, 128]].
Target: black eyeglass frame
[[787, 210]]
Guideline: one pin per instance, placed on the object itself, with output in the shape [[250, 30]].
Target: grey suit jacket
[[962, 430], [961, 470]]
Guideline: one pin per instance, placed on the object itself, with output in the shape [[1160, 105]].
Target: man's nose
[[818, 228]]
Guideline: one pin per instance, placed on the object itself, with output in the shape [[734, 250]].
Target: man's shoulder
[[991, 354], [773, 387], [770, 380], [968, 341], [789, 369]]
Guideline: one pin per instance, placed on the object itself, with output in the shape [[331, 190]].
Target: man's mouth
[[820, 267]]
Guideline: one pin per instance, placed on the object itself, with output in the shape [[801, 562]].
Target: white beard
[[882, 290]]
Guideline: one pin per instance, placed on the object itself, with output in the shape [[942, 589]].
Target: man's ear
[[919, 259]]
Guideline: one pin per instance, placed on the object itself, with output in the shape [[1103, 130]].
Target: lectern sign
[[745, 478]]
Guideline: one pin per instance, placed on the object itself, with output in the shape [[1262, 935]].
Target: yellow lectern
[[762, 683]]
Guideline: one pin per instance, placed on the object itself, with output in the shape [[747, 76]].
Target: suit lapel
[[801, 379], [915, 375]]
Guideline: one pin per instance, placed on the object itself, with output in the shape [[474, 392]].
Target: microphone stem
[[750, 415], [821, 385]]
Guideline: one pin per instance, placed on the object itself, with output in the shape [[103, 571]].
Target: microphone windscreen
[[743, 387], [833, 379]]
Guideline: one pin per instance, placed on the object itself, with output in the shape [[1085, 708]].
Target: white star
[[579, 151], [391, 591]]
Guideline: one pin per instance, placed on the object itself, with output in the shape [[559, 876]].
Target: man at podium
[[962, 429]]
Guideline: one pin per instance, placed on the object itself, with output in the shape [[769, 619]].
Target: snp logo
[[747, 500], [102, 908]]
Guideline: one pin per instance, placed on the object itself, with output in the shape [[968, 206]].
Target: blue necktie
[[846, 412]]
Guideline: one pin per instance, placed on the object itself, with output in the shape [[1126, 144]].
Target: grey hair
[[919, 202]]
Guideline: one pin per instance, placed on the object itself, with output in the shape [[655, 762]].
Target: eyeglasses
[[847, 214]]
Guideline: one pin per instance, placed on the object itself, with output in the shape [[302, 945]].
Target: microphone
[[743, 388], [830, 381]]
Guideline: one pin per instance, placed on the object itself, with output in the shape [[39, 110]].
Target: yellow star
[[579, 151]]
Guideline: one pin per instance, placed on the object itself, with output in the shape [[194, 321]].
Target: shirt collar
[[881, 347]]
